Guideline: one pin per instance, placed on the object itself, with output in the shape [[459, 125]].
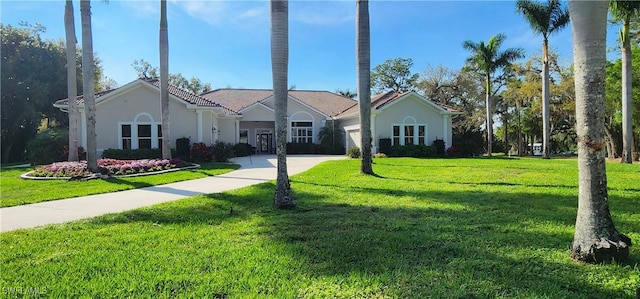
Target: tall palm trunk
[[279, 69], [545, 100], [627, 99], [518, 107], [88, 85], [363, 57], [595, 238], [489, 122], [164, 81], [72, 88]]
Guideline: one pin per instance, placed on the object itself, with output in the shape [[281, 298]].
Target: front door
[[264, 142]]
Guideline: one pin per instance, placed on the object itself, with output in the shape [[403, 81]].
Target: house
[[129, 117]]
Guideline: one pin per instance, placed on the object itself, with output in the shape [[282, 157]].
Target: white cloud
[[216, 13]]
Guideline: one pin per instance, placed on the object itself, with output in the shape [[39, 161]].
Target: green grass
[[459, 228], [16, 191]]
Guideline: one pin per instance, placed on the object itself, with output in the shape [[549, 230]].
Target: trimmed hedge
[[48, 146], [412, 150], [304, 148]]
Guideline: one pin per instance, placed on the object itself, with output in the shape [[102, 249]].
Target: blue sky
[[226, 43]]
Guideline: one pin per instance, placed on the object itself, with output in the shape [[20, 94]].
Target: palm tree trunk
[[88, 85], [489, 115], [279, 69], [363, 58], [72, 88], [164, 81], [518, 107], [545, 100], [627, 104], [595, 238]]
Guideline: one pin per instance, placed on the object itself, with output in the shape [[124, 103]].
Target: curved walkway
[[253, 170]]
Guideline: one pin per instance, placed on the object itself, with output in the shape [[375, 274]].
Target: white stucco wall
[[411, 110]]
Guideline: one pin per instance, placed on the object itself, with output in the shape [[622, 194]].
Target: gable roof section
[[175, 91], [325, 102], [384, 99]]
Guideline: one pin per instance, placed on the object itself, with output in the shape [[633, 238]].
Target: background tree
[[545, 18], [145, 70], [394, 74], [364, 77], [164, 81], [624, 11], [487, 59], [72, 80], [595, 238], [88, 86], [347, 93], [279, 67]]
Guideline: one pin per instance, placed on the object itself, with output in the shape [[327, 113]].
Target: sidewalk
[[254, 170]]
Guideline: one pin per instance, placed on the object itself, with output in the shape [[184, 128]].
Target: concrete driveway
[[254, 170]]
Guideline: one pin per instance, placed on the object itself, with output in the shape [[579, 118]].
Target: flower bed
[[110, 167]]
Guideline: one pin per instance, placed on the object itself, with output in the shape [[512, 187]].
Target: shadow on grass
[[461, 244]]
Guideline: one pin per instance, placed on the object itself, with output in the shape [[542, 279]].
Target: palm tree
[[487, 59], [363, 58], [72, 88], [595, 238], [624, 11], [88, 85], [164, 80], [279, 70], [546, 19]]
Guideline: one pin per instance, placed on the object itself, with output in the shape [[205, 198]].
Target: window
[[126, 136], [244, 136], [409, 134], [396, 134], [302, 132], [421, 134], [144, 136], [160, 136]]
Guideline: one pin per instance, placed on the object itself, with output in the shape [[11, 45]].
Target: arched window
[[302, 127], [409, 132], [143, 132]]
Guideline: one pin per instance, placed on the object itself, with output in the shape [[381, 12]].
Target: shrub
[[182, 148], [439, 146], [304, 148], [385, 145], [331, 139], [200, 152], [48, 146], [242, 149], [353, 152], [222, 151], [132, 154], [452, 152], [412, 150]]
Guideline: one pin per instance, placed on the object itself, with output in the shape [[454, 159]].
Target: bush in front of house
[[222, 151], [242, 149], [353, 152], [413, 150], [48, 146], [183, 149], [200, 152], [294, 148], [132, 154], [440, 147], [385, 145]]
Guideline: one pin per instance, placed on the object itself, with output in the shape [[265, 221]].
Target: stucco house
[[129, 117]]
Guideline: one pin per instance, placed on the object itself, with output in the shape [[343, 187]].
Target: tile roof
[[380, 100], [329, 103], [173, 90]]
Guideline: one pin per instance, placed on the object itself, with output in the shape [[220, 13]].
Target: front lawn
[[16, 191], [459, 228]]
